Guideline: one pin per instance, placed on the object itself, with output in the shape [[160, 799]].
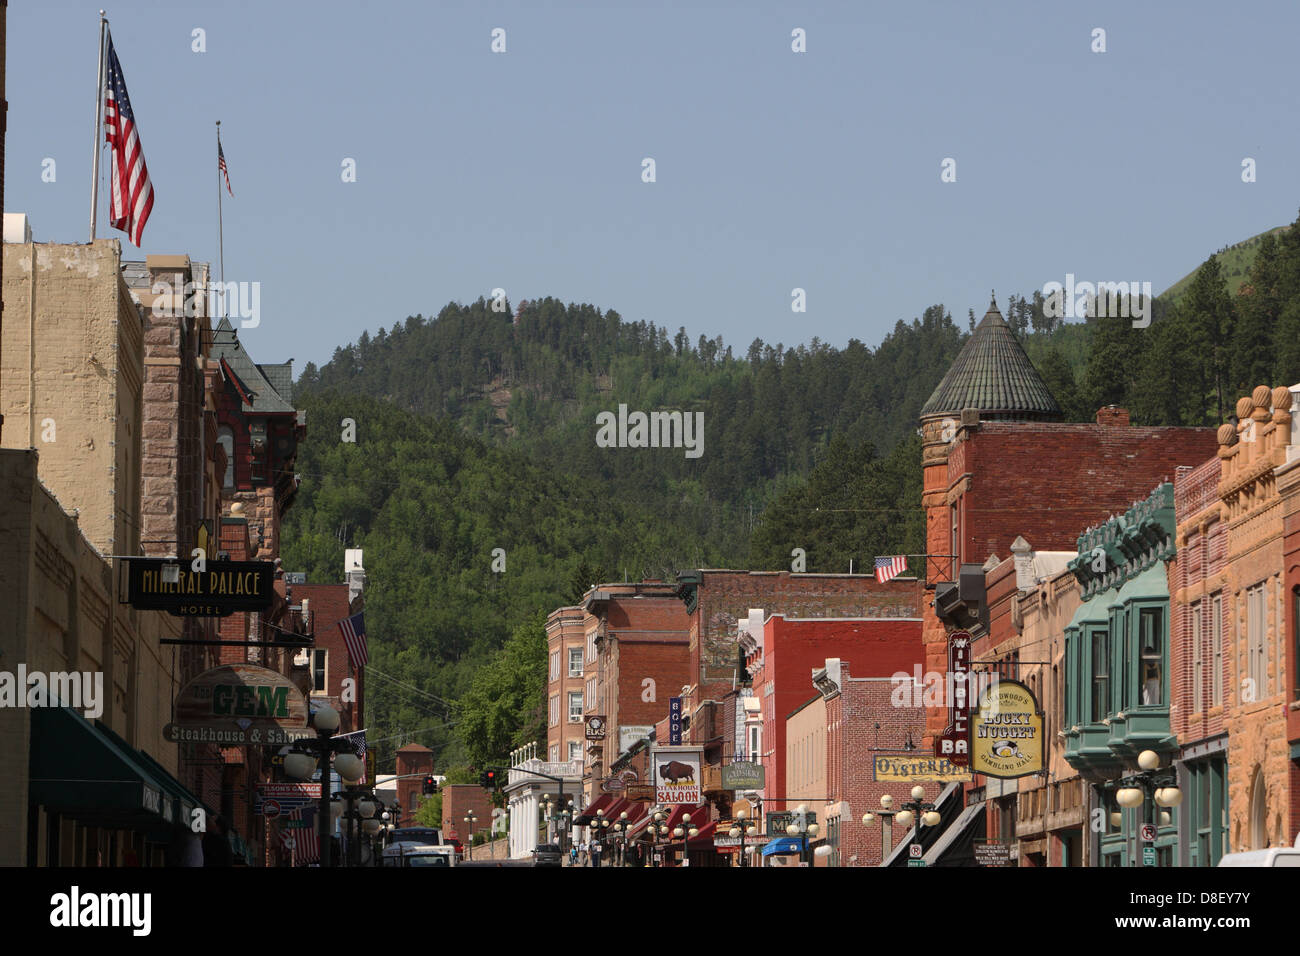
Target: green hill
[[1235, 261]]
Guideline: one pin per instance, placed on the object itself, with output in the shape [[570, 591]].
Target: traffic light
[[430, 786], [489, 779]]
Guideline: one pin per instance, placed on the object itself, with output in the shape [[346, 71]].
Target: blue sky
[[775, 170]]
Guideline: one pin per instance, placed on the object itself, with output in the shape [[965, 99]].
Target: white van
[[1277, 856], [419, 854]]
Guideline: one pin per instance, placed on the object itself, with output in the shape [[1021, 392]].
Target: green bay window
[[1100, 641], [1151, 649]]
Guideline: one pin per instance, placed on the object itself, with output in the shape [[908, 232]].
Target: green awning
[[79, 770], [183, 801]]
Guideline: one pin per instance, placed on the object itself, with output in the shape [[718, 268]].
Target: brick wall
[[457, 801], [412, 758]]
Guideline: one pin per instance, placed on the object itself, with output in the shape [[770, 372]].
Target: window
[[1151, 645], [1198, 663], [319, 658], [591, 646], [554, 712], [555, 753], [575, 749], [1216, 650], [954, 517], [1295, 638], [555, 665], [755, 735], [575, 662], [1100, 675], [575, 707], [226, 439], [590, 702], [1257, 653]]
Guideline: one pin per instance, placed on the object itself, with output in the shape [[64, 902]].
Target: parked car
[[1277, 856], [548, 854]]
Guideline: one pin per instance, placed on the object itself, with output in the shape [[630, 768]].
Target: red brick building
[[636, 639], [998, 464], [459, 800], [791, 649], [565, 641], [412, 759]]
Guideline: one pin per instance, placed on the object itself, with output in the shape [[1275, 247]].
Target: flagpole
[[99, 120], [221, 238]]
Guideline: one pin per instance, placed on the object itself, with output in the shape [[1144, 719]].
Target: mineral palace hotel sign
[[221, 588]]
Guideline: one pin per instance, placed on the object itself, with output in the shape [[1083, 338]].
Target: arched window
[[226, 439], [1258, 813]]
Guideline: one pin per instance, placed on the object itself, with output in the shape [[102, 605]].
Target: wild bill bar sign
[[237, 705], [221, 588]]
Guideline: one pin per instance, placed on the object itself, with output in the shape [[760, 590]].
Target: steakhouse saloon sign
[[221, 588], [239, 704]]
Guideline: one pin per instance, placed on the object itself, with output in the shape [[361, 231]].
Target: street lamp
[[620, 829], [741, 829], [685, 830], [658, 829], [802, 829], [886, 814], [917, 810], [1133, 790], [471, 818], [310, 754]]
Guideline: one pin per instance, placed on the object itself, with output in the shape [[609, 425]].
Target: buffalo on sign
[[677, 775]]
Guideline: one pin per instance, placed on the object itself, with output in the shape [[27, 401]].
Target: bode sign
[[221, 588]]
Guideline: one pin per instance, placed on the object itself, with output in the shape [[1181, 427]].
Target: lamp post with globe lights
[[914, 810], [800, 827], [886, 813], [311, 754], [685, 831], [741, 829], [1151, 782]]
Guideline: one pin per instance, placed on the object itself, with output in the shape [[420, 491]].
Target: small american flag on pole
[[221, 165], [302, 842], [358, 741], [890, 567], [354, 636], [132, 197]]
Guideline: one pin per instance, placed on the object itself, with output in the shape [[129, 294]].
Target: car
[[548, 854], [1278, 856]]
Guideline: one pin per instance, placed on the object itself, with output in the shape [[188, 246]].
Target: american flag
[[890, 567], [358, 741], [354, 635], [132, 198], [221, 165], [306, 841]]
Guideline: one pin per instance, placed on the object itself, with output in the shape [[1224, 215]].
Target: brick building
[[637, 657], [1198, 664], [412, 759], [716, 600], [785, 653], [998, 464], [459, 800], [867, 736], [565, 642], [1260, 668]]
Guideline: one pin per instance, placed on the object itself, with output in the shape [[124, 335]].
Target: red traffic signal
[[430, 786]]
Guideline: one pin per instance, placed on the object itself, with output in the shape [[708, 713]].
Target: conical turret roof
[[993, 374]]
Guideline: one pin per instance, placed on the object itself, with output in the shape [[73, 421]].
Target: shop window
[[1100, 675], [1151, 645]]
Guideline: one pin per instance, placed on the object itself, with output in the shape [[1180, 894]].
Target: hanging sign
[[954, 742], [1007, 736], [220, 589], [239, 704]]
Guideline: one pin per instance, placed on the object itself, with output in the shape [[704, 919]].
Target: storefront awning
[[783, 846], [602, 802], [79, 770], [953, 848]]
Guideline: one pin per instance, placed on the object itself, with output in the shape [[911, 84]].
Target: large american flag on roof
[[890, 567], [132, 192]]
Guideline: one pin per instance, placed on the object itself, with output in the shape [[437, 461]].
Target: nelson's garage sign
[[239, 704], [221, 588]]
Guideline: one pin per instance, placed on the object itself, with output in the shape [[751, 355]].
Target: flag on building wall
[[221, 165], [354, 636], [305, 840], [132, 196], [890, 567]]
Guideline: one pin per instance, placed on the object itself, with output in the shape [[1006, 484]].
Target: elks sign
[[220, 589], [239, 704], [677, 774]]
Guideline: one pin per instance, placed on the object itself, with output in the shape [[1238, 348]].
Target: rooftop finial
[[993, 300]]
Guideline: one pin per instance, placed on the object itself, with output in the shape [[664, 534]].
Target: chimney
[[1113, 415], [354, 572]]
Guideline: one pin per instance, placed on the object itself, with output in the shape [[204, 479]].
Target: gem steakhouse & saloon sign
[[237, 705], [221, 588]]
